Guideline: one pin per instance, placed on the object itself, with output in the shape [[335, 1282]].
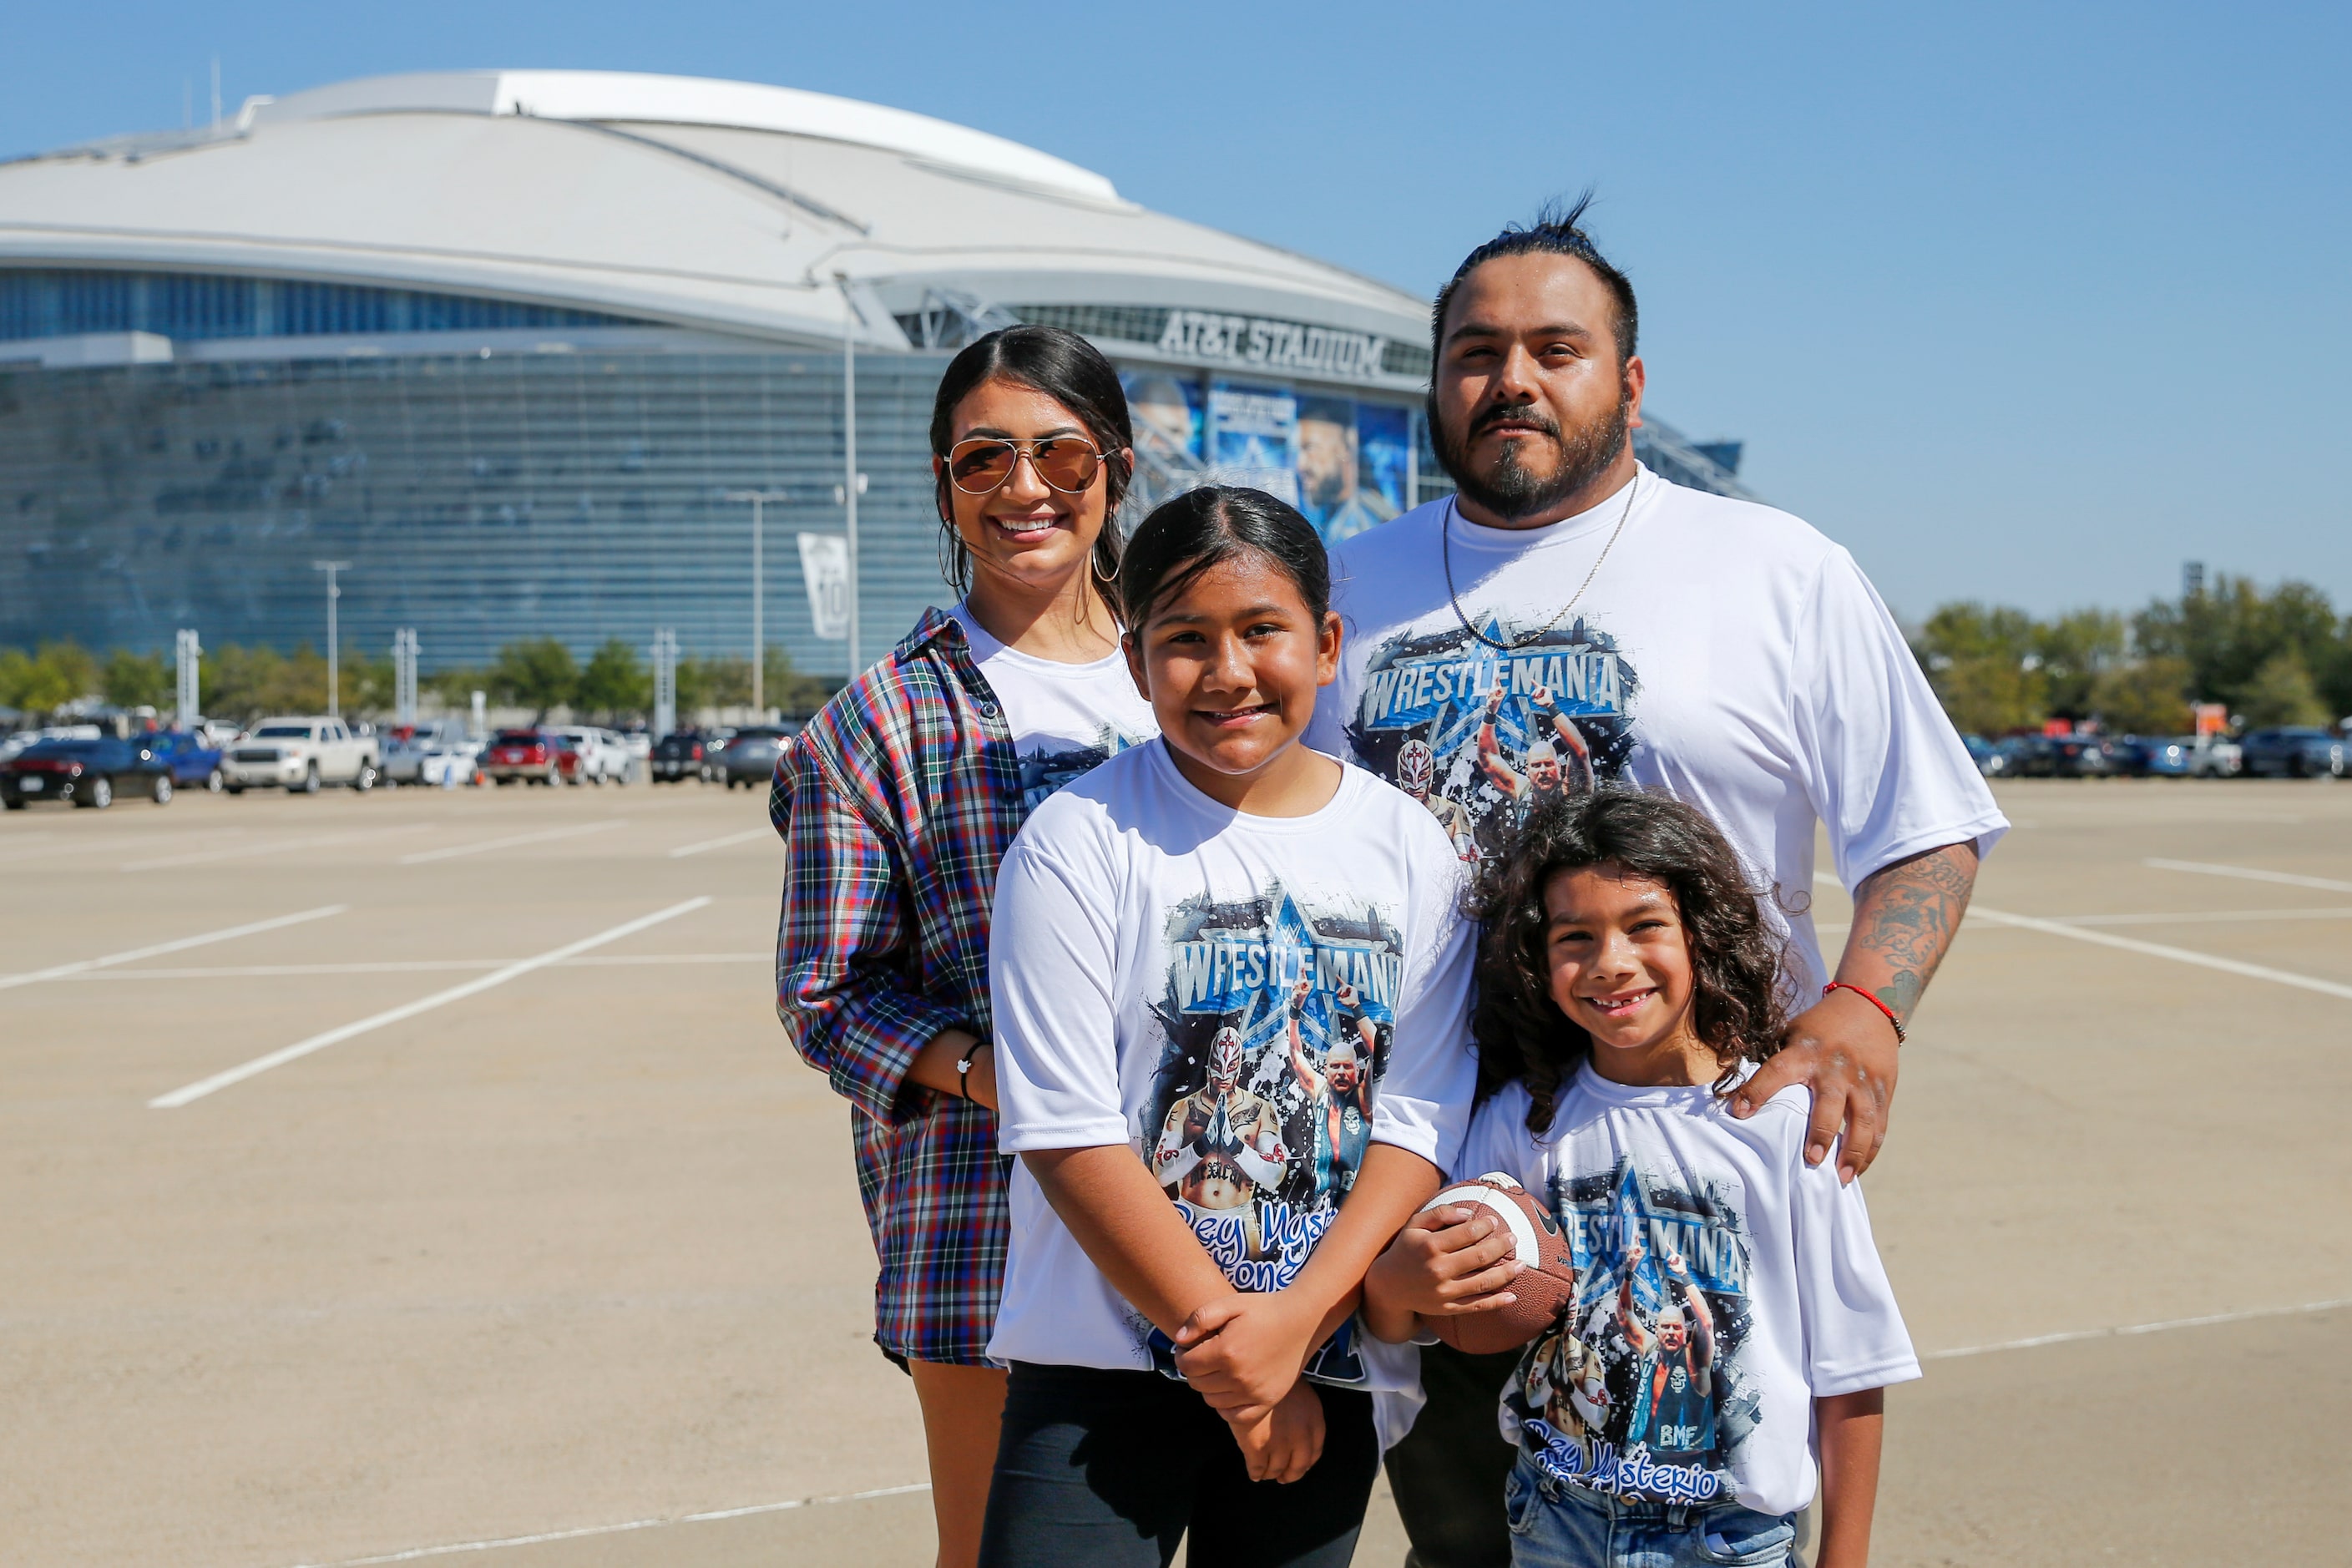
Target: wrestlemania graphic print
[[1638, 1390], [1478, 735], [1046, 767], [1276, 1024]]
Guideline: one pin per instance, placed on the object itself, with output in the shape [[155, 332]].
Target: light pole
[[404, 649], [759, 499], [334, 655], [192, 653], [851, 480], [665, 682]]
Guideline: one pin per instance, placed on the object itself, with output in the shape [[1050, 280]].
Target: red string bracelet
[[1843, 985]]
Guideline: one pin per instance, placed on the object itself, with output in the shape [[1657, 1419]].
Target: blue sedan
[[84, 772], [192, 761]]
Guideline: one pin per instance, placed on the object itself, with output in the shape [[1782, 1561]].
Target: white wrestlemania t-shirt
[[1724, 652], [1246, 1002], [1723, 1286], [1064, 718]]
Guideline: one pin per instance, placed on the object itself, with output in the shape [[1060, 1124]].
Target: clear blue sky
[[2025, 302]]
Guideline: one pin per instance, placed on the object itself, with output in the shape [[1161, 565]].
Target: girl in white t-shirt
[[1231, 982], [1730, 1304]]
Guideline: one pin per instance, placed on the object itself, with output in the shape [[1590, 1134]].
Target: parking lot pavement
[[554, 1234]]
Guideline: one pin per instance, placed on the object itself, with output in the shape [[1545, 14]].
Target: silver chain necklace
[[1445, 554]]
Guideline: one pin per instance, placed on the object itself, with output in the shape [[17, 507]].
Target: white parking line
[[301, 1048], [413, 1553], [2172, 955], [2251, 874], [418, 966], [250, 851], [2202, 916], [95, 847], [682, 853], [542, 837], [2080, 1334], [9, 982]]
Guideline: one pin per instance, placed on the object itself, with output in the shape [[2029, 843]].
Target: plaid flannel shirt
[[896, 805]]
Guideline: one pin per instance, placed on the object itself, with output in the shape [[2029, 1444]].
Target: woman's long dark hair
[[1743, 993], [1074, 374]]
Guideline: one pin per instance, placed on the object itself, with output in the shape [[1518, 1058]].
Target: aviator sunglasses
[[981, 465]]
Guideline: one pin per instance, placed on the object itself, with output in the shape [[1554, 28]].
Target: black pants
[[1448, 1472], [1109, 1469]]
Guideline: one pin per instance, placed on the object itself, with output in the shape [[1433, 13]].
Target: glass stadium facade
[[481, 496], [505, 339]]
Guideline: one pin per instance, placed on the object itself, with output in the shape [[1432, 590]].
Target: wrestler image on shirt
[[1552, 768], [1565, 1383], [1674, 1365], [1339, 1095], [1417, 776], [1221, 1145]]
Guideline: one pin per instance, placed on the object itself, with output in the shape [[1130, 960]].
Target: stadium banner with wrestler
[[1253, 437]]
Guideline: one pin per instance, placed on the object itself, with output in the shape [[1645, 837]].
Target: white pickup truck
[[299, 754]]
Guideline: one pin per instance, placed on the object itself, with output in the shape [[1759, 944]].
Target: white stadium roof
[[719, 205]]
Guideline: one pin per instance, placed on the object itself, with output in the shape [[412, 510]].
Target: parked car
[[194, 762], [24, 737], [2158, 756], [750, 756], [406, 746], [2293, 751], [89, 772], [2211, 757], [434, 753], [2029, 756], [534, 757], [2091, 756], [300, 755], [677, 756], [1990, 759], [601, 756]]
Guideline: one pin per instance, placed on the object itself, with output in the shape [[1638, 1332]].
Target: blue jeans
[[1556, 1525]]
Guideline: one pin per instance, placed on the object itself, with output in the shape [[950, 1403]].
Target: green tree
[[136, 680], [2282, 692], [787, 689], [718, 681], [2146, 696], [2230, 632], [456, 684], [537, 672], [15, 677], [1985, 663], [2072, 653], [369, 683], [58, 674], [613, 682]]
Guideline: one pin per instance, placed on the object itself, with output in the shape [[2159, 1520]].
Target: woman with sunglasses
[[895, 806]]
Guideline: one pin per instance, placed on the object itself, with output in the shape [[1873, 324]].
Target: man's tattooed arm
[[1905, 916]]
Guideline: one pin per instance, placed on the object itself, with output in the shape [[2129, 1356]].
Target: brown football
[[1547, 1280]]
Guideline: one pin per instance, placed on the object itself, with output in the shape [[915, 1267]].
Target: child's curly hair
[[1743, 992]]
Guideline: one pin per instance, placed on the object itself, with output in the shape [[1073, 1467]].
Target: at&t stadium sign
[[1261, 343]]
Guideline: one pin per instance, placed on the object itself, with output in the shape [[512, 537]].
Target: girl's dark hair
[[1074, 374], [1202, 528], [1743, 991]]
